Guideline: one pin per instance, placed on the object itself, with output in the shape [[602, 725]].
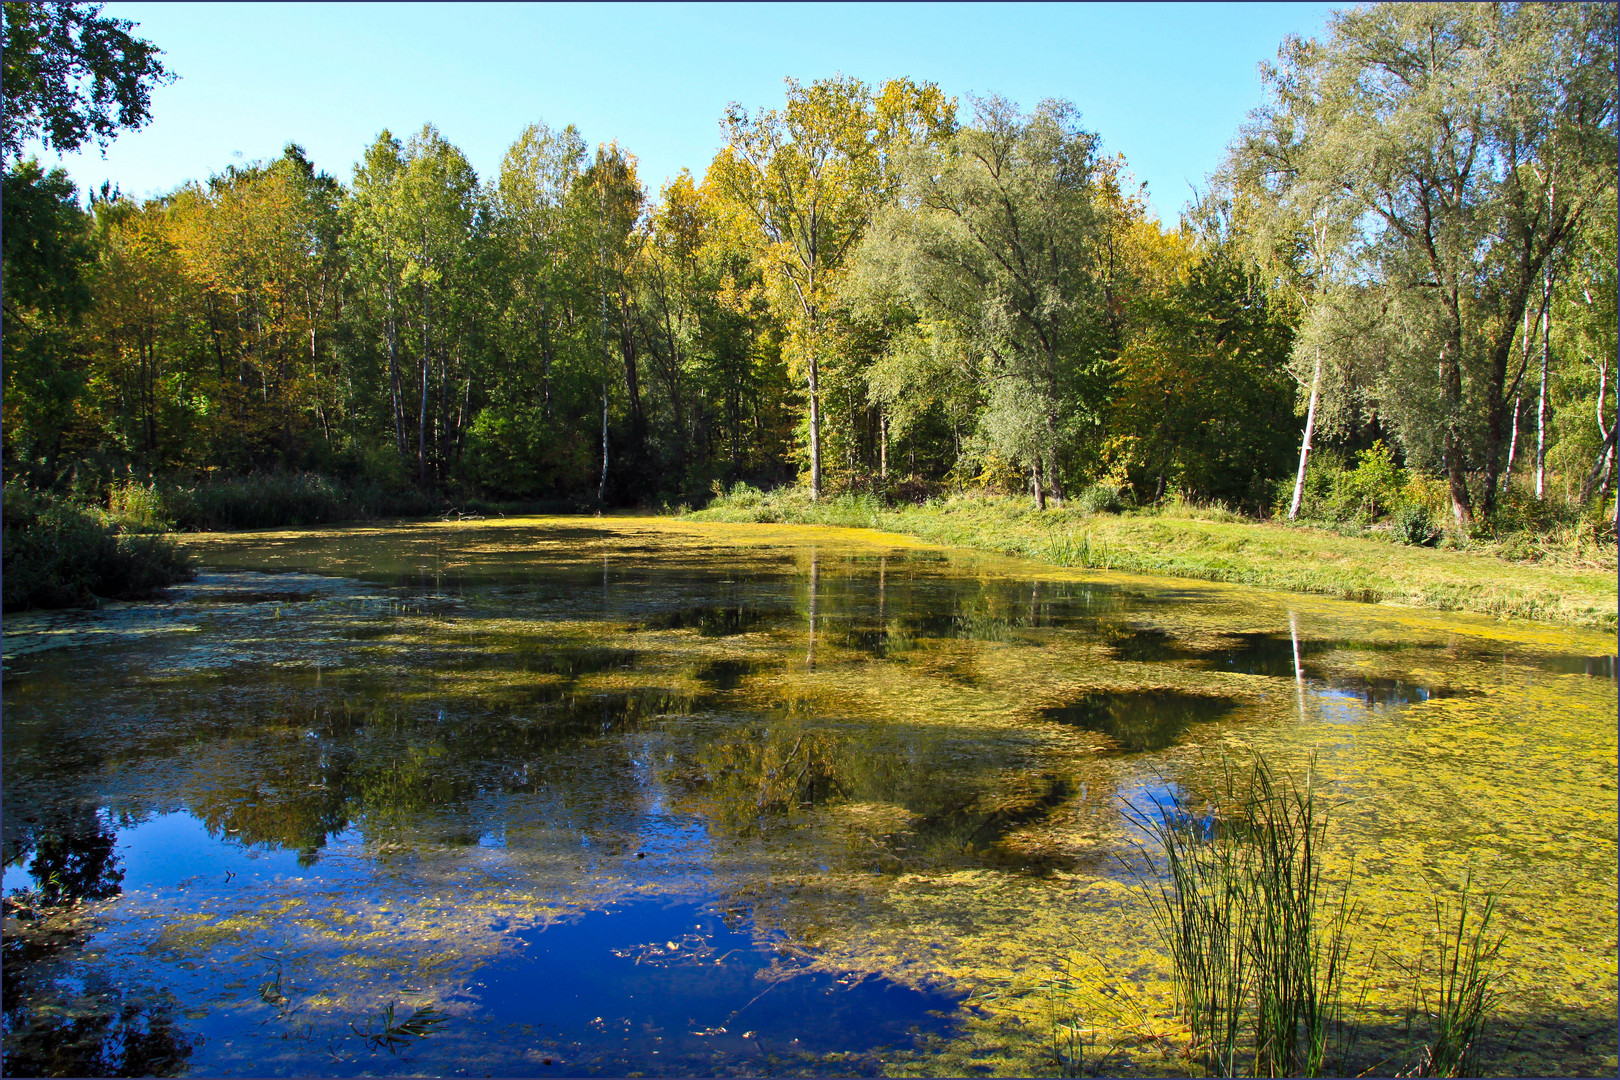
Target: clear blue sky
[[1165, 84]]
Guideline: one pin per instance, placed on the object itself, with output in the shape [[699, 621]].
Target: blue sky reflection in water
[[593, 791]]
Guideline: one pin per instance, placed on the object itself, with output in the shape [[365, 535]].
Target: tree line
[[1410, 244]]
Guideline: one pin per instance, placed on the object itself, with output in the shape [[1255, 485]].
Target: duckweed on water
[[876, 782]]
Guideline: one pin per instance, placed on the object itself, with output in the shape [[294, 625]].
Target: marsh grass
[[59, 552], [1258, 943], [1067, 550], [271, 500], [1459, 994]]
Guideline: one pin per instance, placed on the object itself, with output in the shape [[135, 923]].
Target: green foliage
[[855, 510], [1414, 524], [1337, 179], [1203, 402], [1369, 491], [59, 552], [993, 251], [71, 75], [1098, 499]]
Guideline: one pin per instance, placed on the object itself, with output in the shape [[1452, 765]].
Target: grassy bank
[[1573, 583]]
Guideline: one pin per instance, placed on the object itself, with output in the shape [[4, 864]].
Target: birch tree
[[1466, 142]]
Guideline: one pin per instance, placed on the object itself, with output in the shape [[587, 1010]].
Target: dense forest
[[1407, 261]]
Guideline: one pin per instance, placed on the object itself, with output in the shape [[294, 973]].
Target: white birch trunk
[[1305, 442]]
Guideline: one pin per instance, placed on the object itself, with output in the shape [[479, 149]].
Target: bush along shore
[[1554, 570], [61, 552], [74, 548]]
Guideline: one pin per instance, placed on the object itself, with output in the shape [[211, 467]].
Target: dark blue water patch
[[165, 852], [683, 987], [1374, 691]]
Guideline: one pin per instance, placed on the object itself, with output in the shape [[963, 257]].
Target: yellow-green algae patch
[[877, 773]]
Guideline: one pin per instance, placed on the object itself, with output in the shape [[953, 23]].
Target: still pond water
[[635, 795]]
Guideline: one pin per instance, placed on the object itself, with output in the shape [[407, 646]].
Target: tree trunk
[[883, 445], [1541, 399], [1457, 477], [421, 429], [632, 381], [1513, 447], [1601, 466], [393, 376], [815, 429], [601, 487], [1305, 441], [1035, 481], [545, 358]]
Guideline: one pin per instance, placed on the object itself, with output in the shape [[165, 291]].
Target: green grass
[[1216, 544]]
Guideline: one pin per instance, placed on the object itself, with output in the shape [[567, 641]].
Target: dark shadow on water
[[966, 826], [251, 597], [1140, 720], [689, 988], [722, 675], [1597, 667], [112, 1040], [718, 621]]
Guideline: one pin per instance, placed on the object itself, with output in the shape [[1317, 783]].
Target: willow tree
[[1466, 142], [993, 243]]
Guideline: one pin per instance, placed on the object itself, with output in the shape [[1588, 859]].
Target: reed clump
[[1260, 942], [1459, 993]]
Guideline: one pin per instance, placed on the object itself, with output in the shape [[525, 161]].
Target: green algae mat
[[574, 796]]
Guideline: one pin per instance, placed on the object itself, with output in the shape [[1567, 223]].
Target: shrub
[[1321, 479], [1370, 490], [58, 552], [1429, 492], [1099, 499], [1414, 525]]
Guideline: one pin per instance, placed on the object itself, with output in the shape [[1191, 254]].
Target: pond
[[574, 796]]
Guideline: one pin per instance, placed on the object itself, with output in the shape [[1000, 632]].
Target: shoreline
[[1189, 545]]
